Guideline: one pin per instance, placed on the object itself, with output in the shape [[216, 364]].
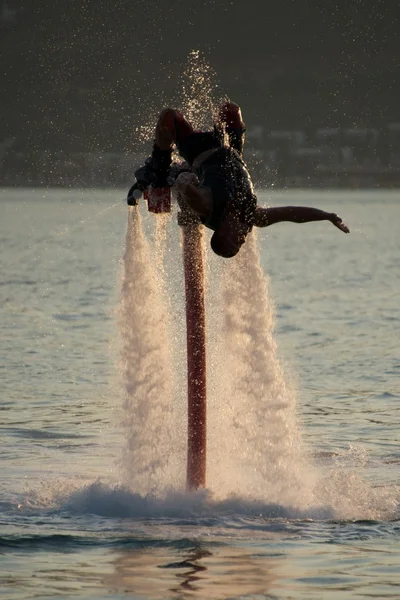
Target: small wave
[[64, 543], [18, 282], [103, 500], [40, 434], [56, 542]]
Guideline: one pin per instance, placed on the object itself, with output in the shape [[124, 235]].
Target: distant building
[[286, 137]]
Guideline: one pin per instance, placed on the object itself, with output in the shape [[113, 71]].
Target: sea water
[[302, 496]]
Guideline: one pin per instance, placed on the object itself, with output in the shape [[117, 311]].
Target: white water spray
[[256, 445], [199, 95], [151, 461]]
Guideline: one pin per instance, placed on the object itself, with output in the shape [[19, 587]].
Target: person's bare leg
[[230, 120], [171, 127]]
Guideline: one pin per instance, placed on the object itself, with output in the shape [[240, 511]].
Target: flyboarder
[[216, 184]]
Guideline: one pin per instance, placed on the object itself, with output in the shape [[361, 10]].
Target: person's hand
[[337, 222]]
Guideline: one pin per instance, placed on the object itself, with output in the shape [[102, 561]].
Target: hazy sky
[[91, 69]]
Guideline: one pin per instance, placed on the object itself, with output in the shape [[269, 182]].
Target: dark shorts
[[190, 146], [225, 174]]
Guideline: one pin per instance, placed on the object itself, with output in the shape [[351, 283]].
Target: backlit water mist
[[256, 447], [256, 451], [151, 461]]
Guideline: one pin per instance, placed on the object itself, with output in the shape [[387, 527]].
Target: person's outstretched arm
[[296, 214]]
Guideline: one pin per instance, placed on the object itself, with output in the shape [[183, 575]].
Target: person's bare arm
[[296, 214]]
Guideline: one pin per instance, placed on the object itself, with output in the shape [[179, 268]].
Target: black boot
[[160, 164]]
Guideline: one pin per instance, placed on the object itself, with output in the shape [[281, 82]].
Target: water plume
[[255, 439], [150, 461]]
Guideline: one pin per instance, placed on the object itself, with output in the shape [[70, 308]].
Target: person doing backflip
[[216, 186]]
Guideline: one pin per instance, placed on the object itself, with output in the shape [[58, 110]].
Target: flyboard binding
[[158, 197], [155, 190]]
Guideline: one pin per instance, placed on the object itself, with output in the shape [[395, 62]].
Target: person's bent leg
[[172, 127], [230, 120], [161, 156]]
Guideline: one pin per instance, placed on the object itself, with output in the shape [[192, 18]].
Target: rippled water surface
[[305, 506]]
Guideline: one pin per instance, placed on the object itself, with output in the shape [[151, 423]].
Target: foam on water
[[119, 501], [343, 496]]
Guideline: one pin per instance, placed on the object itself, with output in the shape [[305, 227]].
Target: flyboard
[[159, 202]]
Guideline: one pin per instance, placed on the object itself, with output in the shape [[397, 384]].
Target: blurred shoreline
[[262, 178], [262, 174], [354, 158]]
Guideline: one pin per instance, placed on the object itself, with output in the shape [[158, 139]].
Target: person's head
[[231, 234]]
